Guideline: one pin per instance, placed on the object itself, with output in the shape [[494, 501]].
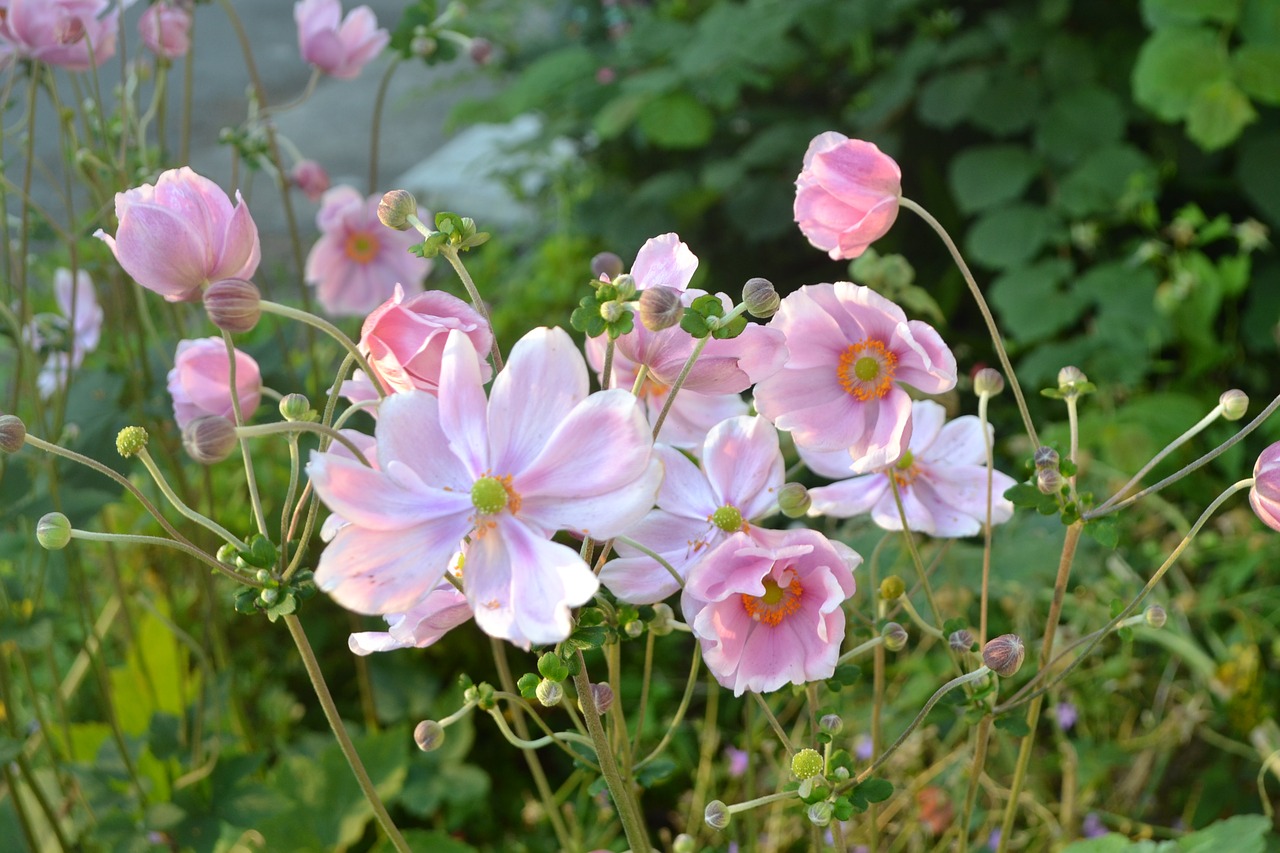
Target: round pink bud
[[480, 50], [895, 637], [1264, 496], [606, 265], [760, 297], [395, 209], [846, 194], [13, 433], [233, 305], [660, 308], [166, 29], [310, 177], [1004, 654], [428, 735]]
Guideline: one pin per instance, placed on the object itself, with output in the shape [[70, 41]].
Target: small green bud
[[428, 735], [660, 308], [988, 382], [831, 724], [892, 588], [820, 813], [760, 298], [233, 305], [549, 693], [1004, 654], [806, 763], [209, 439], [13, 433], [960, 641], [227, 554], [633, 629], [606, 265], [53, 531], [1234, 404], [794, 500], [611, 312], [395, 209], [270, 595], [625, 286], [895, 636], [295, 407], [716, 815], [663, 616], [1155, 616], [262, 575], [130, 440], [684, 843]]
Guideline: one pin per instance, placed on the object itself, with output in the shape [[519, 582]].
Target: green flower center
[[489, 495], [727, 518]]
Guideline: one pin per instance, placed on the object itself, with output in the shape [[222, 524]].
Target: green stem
[[294, 427], [190, 550], [773, 721], [860, 649], [1195, 430], [986, 537], [375, 129], [251, 479], [675, 386], [451, 255], [653, 555], [180, 506], [676, 720], [330, 330]]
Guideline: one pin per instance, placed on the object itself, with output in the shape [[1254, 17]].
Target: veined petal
[[685, 490], [959, 443], [371, 499], [543, 380], [849, 498], [409, 432], [602, 515], [664, 261], [376, 571], [744, 464], [463, 407]]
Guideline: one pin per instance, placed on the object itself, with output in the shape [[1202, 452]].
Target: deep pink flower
[[698, 508], [179, 235], [340, 47], [357, 262], [200, 382], [846, 194], [540, 456], [766, 607], [849, 348], [942, 479], [1264, 495], [310, 177], [404, 339], [166, 29], [73, 34]]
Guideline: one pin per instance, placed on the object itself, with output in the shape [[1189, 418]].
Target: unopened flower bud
[[1070, 378], [820, 814], [294, 407], [480, 50], [760, 298], [1045, 457], [130, 440], [209, 439], [611, 312], [892, 588], [988, 382], [806, 763], [663, 616], [603, 695], [422, 46], [1049, 481], [233, 305], [1004, 654], [625, 284], [13, 433], [895, 636], [269, 596], [684, 843], [794, 500], [53, 531], [606, 265], [428, 735], [716, 815], [660, 308], [831, 724], [1155, 616], [1234, 404], [960, 641], [395, 209], [633, 629], [549, 692]]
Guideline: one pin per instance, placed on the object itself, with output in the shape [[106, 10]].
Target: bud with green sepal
[[233, 304]]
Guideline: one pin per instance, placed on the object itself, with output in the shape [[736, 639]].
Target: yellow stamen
[[777, 603], [866, 369]]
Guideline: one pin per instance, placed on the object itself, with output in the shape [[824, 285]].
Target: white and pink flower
[[338, 46], [200, 381], [941, 479], [766, 608], [846, 195]]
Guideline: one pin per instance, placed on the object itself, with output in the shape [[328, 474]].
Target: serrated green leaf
[[991, 175], [1217, 115], [1175, 64], [1257, 70], [1239, 834], [618, 115], [1104, 531], [1079, 122], [1033, 302], [1108, 180], [1010, 236]]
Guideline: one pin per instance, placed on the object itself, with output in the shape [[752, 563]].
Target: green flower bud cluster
[[456, 232]]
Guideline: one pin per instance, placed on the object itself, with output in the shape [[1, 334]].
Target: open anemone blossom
[[357, 262], [766, 608], [699, 508], [850, 351], [941, 479], [503, 474]]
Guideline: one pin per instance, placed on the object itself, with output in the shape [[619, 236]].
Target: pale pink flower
[[942, 479], [339, 47], [1264, 495], [541, 455], [359, 389], [166, 29], [766, 607], [357, 262], [181, 234], [80, 308], [200, 382], [73, 34], [846, 195], [849, 348], [698, 508], [444, 609], [403, 339], [310, 177]]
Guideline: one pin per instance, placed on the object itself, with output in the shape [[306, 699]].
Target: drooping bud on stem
[[429, 735], [1004, 654], [716, 815], [960, 641], [1234, 404], [831, 724], [395, 209], [988, 382], [892, 588], [660, 308], [209, 439], [233, 305], [895, 636], [1155, 616]]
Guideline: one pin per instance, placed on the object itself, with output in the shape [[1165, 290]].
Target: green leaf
[[1217, 115], [1239, 834], [1257, 173], [676, 120], [1010, 236], [1164, 13], [985, 177], [552, 667], [1104, 531], [10, 749], [1015, 726], [528, 685], [1173, 65], [1079, 122], [1033, 302], [1260, 22], [947, 98], [618, 115], [655, 772], [1257, 70], [875, 790], [1109, 180], [1008, 105], [589, 638]]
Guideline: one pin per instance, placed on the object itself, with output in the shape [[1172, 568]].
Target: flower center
[[728, 519], [362, 247], [866, 369], [491, 495], [904, 471], [777, 603]]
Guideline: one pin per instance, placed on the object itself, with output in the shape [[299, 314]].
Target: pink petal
[[370, 498], [543, 380], [685, 490], [931, 367], [681, 541], [463, 408], [960, 442], [374, 571], [849, 498], [664, 261], [744, 464]]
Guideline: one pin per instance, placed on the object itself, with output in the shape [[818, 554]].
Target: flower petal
[[377, 571], [543, 380]]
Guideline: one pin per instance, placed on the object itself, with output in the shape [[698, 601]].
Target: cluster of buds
[[1048, 474]]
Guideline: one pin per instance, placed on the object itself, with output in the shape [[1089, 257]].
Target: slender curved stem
[[329, 329], [190, 550], [986, 536], [295, 427], [251, 479], [451, 255], [653, 555], [538, 743], [180, 506], [1195, 430], [773, 721], [680, 710], [375, 129], [860, 649], [678, 384]]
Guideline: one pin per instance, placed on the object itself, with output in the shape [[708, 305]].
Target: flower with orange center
[[851, 350], [766, 607], [362, 247]]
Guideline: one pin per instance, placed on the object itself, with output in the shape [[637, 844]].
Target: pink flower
[[1264, 495], [846, 194], [540, 456], [942, 479], [338, 48], [310, 177], [766, 608], [440, 612], [404, 339], [849, 348], [80, 307], [200, 382], [357, 262], [699, 508], [73, 34], [166, 29], [179, 235]]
